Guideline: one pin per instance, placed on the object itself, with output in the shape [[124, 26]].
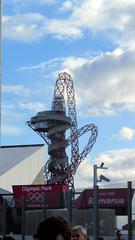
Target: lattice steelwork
[[52, 125]]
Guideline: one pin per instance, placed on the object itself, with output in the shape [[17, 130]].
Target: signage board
[[113, 198], [36, 196]]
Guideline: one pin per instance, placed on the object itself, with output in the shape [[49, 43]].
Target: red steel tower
[[52, 125]]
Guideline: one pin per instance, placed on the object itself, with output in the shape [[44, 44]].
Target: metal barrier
[[24, 221]]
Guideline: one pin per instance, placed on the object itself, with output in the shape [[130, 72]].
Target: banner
[[37, 196], [113, 198]]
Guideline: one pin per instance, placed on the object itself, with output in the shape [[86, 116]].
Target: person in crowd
[[118, 235], [100, 238], [79, 233], [54, 228]]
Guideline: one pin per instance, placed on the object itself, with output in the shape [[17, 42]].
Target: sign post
[[95, 206], [129, 200], [96, 199]]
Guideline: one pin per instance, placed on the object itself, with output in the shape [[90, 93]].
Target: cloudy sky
[[94, 41]]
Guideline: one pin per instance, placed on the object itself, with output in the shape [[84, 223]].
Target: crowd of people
[[59, 228]]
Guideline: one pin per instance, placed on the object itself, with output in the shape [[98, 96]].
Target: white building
[[21, 165]]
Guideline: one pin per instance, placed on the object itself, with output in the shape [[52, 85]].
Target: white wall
[[25, 171]]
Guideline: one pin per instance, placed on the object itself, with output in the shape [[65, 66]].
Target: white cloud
[[24, 27], [84, 174], [116, 161], [32, 27], [18, 90], [115, 19], [74, 63], [33, 106], [54, 62], [63, 29], [105, 84], [67, 5], [8, 130], [61, 64], [126, 133], [104, 15]]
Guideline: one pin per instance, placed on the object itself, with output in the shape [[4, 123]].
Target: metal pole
[[69, 204], [44, 206], [23, 218], [0, 65], [4, 220], [95, 206], [129, 210]]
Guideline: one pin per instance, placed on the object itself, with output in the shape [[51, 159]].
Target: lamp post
[[95, 200], [95, 205]]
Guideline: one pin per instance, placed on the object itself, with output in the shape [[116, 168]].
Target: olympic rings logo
[[35, 197]]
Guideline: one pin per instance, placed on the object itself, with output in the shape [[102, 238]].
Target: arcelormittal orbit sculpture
[[52, 125]]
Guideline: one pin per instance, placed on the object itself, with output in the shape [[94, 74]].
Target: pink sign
[[107, 198], [35, 196]]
